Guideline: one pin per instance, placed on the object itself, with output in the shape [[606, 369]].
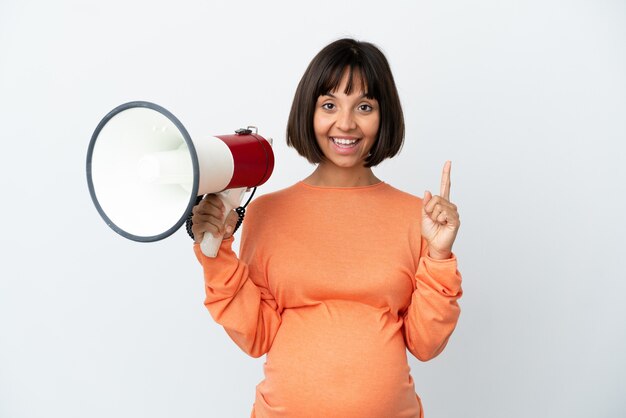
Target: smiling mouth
[[344, 142]]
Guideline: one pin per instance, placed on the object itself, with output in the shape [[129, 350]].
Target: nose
[[345, 120]]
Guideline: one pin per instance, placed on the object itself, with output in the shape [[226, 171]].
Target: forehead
[[348, 79]]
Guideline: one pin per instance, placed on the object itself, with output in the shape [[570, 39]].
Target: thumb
[[427, 197], [231, 221]]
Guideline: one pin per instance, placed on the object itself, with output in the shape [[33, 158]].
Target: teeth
[[344, 141]]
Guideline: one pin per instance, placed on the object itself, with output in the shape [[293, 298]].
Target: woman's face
[[346, 126]]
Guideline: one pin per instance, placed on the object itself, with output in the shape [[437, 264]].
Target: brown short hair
[[324, 74]]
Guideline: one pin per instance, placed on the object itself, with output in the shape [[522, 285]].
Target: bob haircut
[[324, 75]]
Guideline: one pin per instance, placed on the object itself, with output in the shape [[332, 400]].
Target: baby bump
[[339, 359]]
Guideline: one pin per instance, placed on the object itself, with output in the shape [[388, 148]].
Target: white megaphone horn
[[144, 171]]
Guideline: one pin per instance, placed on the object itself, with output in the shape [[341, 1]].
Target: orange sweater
[[334, 284]]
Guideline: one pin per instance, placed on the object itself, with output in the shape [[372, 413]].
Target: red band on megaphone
[[253, 159]]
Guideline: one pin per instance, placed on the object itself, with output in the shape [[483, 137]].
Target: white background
[[528, 99]]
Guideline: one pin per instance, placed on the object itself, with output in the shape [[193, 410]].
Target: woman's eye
[[328, 106], [365, 108]]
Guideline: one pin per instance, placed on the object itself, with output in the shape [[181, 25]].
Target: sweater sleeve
[[434, 311], [238, 297]]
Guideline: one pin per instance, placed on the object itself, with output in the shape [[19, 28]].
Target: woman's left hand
[[440, 219]]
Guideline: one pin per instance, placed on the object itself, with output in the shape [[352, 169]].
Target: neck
[[330, 175]]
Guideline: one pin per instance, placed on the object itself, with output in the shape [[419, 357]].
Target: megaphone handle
[[231, 198]]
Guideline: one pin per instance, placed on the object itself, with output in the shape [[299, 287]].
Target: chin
[[349, 164]]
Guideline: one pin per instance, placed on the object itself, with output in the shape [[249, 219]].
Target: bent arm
[[434, 311], [239, 300]]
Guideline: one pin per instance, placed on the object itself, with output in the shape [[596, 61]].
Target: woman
[[340, 273]]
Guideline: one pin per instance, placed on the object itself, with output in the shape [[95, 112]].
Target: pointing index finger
[[445, 180]]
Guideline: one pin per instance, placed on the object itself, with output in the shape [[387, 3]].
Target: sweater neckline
[[349, 188]]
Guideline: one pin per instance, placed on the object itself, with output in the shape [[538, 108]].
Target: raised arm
[[434, 310]]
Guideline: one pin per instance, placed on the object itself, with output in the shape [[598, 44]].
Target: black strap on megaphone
[[241, 212]]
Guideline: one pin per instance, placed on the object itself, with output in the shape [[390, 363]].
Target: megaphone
[[145, 173]]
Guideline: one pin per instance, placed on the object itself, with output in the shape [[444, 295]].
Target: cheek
[[373, 127], [320, 125]]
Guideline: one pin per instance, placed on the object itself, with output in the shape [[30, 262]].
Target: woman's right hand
[[207, 217]]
